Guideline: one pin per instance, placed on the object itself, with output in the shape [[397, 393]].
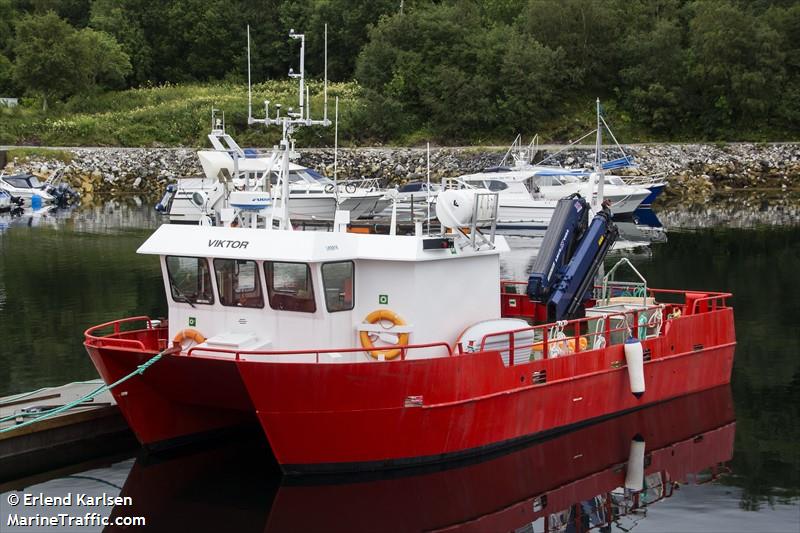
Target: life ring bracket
[[373, 324]]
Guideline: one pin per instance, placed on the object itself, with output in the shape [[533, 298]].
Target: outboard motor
[[62, 194], [166, 200]]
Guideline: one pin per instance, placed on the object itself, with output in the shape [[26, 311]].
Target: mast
[[428, 190], [335, 149], [288, 122], [325, 83], [249, 85], [598, 165]]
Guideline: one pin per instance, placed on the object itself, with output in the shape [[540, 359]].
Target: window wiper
[[176, 290]]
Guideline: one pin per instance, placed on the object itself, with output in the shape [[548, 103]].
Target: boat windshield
[[23, 182], [238, 283], [290, 287], [316, 176], [567, 178], [496, 185], [614, 180], [302, 176], [548, 181], [190, 280]]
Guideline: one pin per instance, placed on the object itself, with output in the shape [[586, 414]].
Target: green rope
[[99, 390]]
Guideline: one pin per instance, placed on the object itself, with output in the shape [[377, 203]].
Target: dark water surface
[[732, 465]]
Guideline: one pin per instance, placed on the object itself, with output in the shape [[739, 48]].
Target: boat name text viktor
[[217, 243]]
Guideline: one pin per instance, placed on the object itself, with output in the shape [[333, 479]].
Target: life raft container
[[379, 316], [188, 334]]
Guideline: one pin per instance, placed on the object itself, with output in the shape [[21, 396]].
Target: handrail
[[710, 298], [575, 337], [114, 342], [90, 332], [239, 353], [95, 339]]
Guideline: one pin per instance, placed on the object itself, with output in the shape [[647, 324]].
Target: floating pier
[[88, 430]]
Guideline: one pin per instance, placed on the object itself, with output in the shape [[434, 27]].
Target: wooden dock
[[87, 431]]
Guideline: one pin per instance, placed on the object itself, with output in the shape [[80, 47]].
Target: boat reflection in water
[[590, 478]]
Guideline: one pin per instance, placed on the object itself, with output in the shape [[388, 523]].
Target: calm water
[[733, 465]]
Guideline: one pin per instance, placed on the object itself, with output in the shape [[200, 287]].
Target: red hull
[[204, 491], [682, 437], [178, 398], [324, 417]]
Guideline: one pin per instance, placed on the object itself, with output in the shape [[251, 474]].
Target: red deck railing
[[515, 303], [124, 334], [142, 338], [317, 352]]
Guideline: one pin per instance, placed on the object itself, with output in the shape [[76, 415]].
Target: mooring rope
[[96, 392]]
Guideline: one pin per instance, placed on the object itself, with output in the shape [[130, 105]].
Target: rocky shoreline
[[696, 172]]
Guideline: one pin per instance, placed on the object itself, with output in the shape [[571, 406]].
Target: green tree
[[786, 21], [75, 12], [49, 60], [109, 64], [6, 76], [532, 80], [348, 26], [117, 18], [588, 31], [736, 67], [449, 70], [654, 69], [55, 60], [7, 16]]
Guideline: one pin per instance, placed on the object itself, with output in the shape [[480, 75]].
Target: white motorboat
[[27, 188], [521, 205], [228, 168], [555, 183], [626, 193]]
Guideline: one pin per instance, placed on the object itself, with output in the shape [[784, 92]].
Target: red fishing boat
[[363, 351], [255, 323]]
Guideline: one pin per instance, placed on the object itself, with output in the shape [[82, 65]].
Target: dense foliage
[[452, 70]]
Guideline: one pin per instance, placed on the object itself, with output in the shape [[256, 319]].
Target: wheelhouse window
[[238, 283], [337, 280], [190, 280], [289, 286]]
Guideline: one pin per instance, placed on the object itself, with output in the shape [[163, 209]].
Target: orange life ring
[[189, 334], [375, 317]]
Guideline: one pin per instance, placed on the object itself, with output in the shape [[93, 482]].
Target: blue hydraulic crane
[[570, 255]]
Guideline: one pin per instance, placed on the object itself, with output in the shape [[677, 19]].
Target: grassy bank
[[170, 115], [180, 115]]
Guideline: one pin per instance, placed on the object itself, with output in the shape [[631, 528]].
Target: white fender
[[634, 473], [634, 357]]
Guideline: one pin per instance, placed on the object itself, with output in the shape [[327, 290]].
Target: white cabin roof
[[213, 161], [297, 246]]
